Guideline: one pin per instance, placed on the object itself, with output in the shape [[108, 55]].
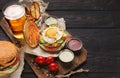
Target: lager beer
[[15, 15]]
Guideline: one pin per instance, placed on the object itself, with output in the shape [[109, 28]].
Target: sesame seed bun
[[8, 52], [9, 58], [9, 70]]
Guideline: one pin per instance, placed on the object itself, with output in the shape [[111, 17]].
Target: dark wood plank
[[82, 75], [80, 4], [103, 63], [99, 40], [103, 48], [116, 5], [5, 2], [116, 16], [96, 75], [1, 15], [3, 36], [28, 75], [77, 4], [85, 19]]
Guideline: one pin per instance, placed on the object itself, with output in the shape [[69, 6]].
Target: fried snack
[[31, 33], [29, 16], [35, 10]]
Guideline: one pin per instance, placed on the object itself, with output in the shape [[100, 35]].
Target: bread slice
[[31, 33]]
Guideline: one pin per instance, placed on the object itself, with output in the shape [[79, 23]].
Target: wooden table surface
[[97, 24]]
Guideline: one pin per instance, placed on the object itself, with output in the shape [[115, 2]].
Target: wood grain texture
[[116, 17], [43, 72], [83, 75], [106, 5], [99, 40], [5, 3], [96, 75], [97, 24], [80, 4], [1, 15], [3, 36], [86, 19]]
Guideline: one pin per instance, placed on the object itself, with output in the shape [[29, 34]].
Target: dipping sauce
[[74, 44], [66, 55]]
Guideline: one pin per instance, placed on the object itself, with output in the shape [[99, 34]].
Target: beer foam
[[14, 12]]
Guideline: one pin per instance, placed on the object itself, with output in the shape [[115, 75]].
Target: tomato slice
[[50, 48]]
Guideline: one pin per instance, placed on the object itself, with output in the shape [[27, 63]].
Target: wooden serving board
[[43, 71], [64, 68]]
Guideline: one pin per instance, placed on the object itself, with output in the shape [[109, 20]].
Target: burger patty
[[9, 63], [10, 69]]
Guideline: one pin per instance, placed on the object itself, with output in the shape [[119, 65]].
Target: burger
[[53, 39], [9, 58]]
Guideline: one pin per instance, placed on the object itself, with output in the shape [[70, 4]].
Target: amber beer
[[15, 14]]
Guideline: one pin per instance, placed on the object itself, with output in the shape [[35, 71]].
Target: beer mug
[[15, 15]]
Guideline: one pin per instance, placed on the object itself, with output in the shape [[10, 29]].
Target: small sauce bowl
[[66, 56], [74, 44]]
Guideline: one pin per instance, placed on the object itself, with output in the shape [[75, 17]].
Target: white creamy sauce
[[66, 56]]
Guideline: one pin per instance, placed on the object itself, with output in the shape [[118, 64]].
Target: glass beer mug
[[15, 15]]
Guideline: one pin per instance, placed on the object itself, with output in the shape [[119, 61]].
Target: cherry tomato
[[53, 67], [40, 60], [49, 60]]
